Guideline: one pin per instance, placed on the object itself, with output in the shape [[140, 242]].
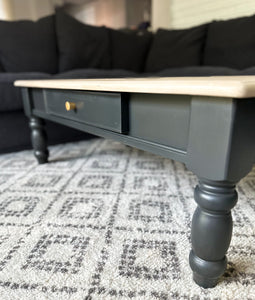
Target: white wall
[[160, 14], [110, 13], [25, 9], [4, 11], [85, 12], [187, 13]]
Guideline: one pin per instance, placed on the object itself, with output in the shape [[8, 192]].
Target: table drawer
[[104, 110]]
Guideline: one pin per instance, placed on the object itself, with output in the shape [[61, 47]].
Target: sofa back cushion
[[231, 43], [28, 46], [129, 49], [176, 48], [10, 96], [80, 45], [1, 68]]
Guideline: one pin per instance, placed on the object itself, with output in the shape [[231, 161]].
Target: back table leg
[[39, 139], [211, 230]]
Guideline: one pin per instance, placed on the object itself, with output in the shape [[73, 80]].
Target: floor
[[107, 221]]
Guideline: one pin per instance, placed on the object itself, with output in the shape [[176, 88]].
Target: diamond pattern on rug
[[149, 210], [151, 259], [18, 206], [81, 208], [68, 252], [22, 209], [105, 221]]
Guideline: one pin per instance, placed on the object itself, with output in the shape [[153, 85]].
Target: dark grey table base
[[214, 137]]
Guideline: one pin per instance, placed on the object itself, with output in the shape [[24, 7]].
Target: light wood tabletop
[[219, 86]]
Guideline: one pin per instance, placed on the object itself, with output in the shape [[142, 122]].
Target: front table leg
[[211, 230], [39, 139]]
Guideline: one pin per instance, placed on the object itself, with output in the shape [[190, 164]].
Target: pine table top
[[219, 86]]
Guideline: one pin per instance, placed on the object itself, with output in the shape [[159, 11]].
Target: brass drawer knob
[[70, 106]]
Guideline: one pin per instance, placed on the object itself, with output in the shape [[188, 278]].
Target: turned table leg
[[211, 230], [39, 139]]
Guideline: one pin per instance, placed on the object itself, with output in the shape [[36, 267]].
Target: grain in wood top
[[219, 86]]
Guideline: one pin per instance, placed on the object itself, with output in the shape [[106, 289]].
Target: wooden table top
[[219, 86]]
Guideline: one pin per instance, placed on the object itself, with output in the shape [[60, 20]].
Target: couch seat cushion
[[80, 45], [94, 73], [195, 71], [176, 48], [10, 96], [28, 46], [248, 71], [231, 43]]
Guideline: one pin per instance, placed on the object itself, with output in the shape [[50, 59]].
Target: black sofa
[[60, 47]]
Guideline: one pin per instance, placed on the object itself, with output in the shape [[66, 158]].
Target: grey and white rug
[[106, 221]]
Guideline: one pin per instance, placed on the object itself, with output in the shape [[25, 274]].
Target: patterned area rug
[[106, 221]]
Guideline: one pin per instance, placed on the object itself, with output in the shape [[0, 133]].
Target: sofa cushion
[[28, 46], [176, 48], [10, 96], [195, 72], [94, 73], [80, 45], [248, 71], [129, 50], [231, 43], [15, 132], [1, 68]]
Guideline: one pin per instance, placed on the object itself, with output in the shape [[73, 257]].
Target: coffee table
[[208, 123]]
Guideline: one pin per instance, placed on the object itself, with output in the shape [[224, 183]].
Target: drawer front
[[104, 110]]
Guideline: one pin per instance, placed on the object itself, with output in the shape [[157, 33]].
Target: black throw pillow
[[80, 45], [28, 46], [231, 43], [129, 50], [176, 48]]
